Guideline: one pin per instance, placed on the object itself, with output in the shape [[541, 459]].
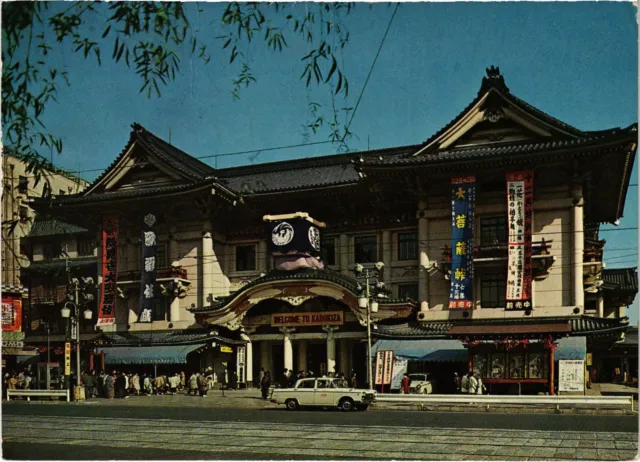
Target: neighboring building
[[19, 190], [209, 250]]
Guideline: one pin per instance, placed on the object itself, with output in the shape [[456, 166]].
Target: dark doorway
[[317, 358], [359, 363]]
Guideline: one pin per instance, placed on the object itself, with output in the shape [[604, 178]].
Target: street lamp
[[66, 313], [369, 302]]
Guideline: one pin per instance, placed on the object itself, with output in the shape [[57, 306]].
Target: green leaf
[[106, 31], [97, 52], [334, 66]]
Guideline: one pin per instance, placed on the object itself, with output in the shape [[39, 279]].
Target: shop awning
[[425, 350], [571, 348], [167, 354], [11, 351]]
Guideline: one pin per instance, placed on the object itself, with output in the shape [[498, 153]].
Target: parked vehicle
[[422, 383], [324, 392]]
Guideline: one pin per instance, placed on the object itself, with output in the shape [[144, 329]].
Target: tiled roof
[[580, 325], [53, 227], [330, 170], [624, 279], [103, 197], [167, 337], [507, 149], [412, 331], [60, 264]]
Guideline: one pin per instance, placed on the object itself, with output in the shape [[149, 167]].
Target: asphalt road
[[557, 422], [59, 431]]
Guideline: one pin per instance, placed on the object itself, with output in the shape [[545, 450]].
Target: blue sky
[[575, 61]]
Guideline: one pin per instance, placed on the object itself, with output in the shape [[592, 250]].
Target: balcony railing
[[161, 273]]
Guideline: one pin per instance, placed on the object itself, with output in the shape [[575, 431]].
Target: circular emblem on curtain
[[314, 237], [150, 220], [282, 234]]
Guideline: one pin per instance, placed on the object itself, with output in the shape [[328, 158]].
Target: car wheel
[[424, 390], [346, 404], [362, 407], [292, 404]]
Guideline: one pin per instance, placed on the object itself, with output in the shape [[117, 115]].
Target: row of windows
[[493, 231]]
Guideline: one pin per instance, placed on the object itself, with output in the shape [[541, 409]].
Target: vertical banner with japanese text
[[67, 358], [463, 200], [148, 273], [520, 220], [109, 292]]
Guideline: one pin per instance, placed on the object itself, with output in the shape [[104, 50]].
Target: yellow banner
[[67, 358], [225, 349], [328, 318]]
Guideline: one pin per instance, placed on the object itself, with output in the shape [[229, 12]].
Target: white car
[[324, 392], [422, 383]]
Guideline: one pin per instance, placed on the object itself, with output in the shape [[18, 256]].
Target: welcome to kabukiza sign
[[327, 318]]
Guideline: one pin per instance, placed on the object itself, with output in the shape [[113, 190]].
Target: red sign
[[109, 292], [12, 313]]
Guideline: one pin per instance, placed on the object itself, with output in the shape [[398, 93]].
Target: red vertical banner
[[12, 313], [109, 262], [520, 222], [379, 367]]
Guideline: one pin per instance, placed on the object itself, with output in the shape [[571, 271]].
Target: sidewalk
[[251, 399]]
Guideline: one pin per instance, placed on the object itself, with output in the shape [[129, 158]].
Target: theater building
[[487, 232]]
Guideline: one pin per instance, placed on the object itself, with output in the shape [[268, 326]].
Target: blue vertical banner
[[148, 269], [463, 204]]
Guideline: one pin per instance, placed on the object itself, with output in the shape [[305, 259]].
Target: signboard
[[74, 329], [463, 202], [520, 222], [384, 367], [67, 358], [324, 318], [589, 359], [11, 313], [109, 292], [240, 363], [225, 349], [148, 270], [571, 375], [294, 235], [13, 343], [399, 369]]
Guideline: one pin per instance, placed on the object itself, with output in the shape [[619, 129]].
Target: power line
[[353, 114]]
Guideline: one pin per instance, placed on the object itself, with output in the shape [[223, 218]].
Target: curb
[[502, 409]]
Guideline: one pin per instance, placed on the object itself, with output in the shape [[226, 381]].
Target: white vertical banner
[[388, 367], [240, 363], [519, 220], [399, 369]]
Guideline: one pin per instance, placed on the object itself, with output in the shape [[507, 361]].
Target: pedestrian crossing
[[285, 440]]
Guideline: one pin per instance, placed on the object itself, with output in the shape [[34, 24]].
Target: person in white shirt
[[464, 384], [481, 388], [473, 384]]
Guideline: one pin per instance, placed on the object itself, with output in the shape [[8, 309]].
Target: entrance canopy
[[425, 350], [171, 354]]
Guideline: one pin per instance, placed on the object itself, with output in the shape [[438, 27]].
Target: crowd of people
[[470, 383], [119, 384], [17, 381]]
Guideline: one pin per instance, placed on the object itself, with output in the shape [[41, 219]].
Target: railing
[[161, 273], [487, 400], [38, 393]]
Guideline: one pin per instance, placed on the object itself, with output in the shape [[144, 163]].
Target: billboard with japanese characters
[[463, 200], [520, 219], [11, 313], [109, 291], [148, 270]]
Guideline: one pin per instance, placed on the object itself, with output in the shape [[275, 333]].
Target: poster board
[[571, 375], [399, 369]]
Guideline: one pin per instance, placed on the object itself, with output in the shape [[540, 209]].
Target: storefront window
[[480, 365], [536, 366], [516, 365], [498, 365]]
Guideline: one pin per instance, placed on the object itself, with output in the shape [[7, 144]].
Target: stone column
[[207, 264], [288, 348], [600, 306], [387, 253], [423, 262], [248, 366], [302, 355], [344, 357], [343, 252], [331, 348], [577, 233]]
